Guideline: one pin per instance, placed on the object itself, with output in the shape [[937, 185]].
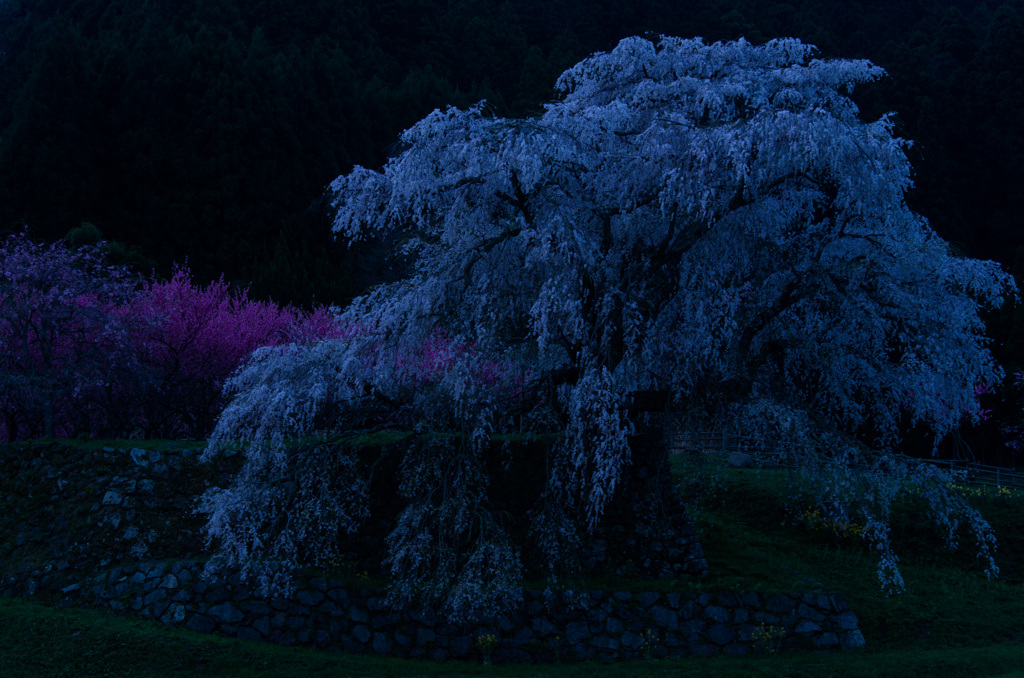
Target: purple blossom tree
[[193, 338], [59, 335], [88, 350], [709, 227]]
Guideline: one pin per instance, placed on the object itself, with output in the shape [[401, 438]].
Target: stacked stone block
[[546, 627]]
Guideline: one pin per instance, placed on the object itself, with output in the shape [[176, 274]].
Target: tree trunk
[[48, 416], [647, 530]]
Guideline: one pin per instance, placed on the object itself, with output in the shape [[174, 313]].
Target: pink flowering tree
[[195, 337], [60, 337], [87, 349]]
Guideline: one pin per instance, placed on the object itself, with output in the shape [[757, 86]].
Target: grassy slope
[[950, 622]]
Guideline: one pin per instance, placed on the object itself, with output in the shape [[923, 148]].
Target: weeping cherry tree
[[712, 226]]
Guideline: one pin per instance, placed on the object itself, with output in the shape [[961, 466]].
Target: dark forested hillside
[[208, 129]]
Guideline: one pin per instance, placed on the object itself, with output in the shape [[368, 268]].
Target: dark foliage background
[[207, 130]]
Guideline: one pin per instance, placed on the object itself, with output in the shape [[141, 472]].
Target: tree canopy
[[710, 222]]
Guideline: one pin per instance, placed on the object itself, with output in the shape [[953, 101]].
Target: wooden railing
[[980, 474], [717, 442]]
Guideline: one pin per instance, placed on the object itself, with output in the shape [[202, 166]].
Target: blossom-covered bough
[[711, 227]]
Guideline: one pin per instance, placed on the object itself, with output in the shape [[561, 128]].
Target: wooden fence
[[980, 474], [717, 442]]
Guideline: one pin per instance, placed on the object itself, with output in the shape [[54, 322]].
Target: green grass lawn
[[951, 621], [41, 641]]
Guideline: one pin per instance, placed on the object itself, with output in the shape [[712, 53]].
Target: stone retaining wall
[[547, 627], [69, 514]]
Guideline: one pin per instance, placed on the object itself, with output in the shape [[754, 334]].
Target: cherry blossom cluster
[[90, 350], [714, 223]]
